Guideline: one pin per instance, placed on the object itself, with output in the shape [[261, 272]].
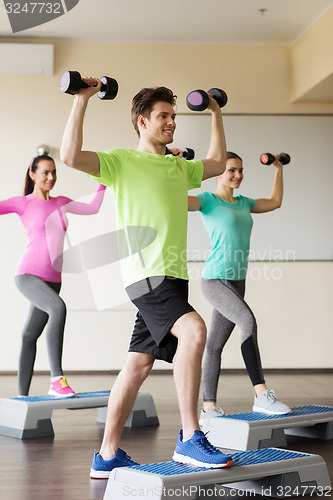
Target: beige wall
[[312, 60], [34, 111]]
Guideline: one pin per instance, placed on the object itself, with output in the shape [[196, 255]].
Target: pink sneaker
[[61, 389]]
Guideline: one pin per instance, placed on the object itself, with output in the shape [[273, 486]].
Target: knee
[[60, 309], [28, 340], [249, 326], [144, 370], [196, 336], [139, 366], [253, 324], [202, 335]]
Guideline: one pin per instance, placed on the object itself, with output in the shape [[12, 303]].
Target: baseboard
[[225, 371]]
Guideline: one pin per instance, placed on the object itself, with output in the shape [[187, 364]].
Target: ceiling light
[[262, 11]]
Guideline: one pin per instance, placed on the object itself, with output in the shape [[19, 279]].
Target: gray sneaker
[[269, 404], [214, 412]]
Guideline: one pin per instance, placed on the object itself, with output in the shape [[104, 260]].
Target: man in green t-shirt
[[150, 189]]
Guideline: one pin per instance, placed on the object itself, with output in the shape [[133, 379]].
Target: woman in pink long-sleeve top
[[38, 275]]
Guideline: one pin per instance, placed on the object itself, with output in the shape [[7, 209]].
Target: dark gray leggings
[[230, 309], [46, 308]]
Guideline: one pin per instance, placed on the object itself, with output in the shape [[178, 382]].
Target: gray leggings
[[46, 308], [230, 309]]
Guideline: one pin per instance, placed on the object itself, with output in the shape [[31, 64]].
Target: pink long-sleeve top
[[46, 224]]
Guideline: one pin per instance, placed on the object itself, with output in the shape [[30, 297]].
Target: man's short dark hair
[[143, 102]]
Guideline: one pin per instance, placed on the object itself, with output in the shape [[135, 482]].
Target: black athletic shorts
[[161, 300]]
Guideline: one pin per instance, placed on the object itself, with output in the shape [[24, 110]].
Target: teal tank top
[[229, 227]]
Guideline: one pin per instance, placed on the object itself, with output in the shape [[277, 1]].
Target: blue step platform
[[268, 472], [30, 417], [251, 431]]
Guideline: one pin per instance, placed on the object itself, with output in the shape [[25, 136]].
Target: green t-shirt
[[151, 198], [229, 228]]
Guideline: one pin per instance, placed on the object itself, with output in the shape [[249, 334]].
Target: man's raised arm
[[71, 153], [216, 159]]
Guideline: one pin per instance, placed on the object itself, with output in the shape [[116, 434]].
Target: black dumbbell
[[268, 158], [198, 100], [188, 153], [71, 82]]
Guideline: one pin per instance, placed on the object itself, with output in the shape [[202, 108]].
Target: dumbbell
[[198, 100], [268, 158], [188, 153], [71, 82]]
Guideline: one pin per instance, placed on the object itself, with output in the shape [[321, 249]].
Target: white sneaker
[[269, 404], [214, 412]]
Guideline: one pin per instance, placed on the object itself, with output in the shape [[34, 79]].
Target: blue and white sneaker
[[101, 469], [198, 451]]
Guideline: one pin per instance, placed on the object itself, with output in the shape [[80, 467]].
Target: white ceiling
[[179, 21]]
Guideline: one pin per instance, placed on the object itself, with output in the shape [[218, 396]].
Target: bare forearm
[[73, 136], [277, 190], [217, 147], [71, 148], [275, 200], [215, 163]]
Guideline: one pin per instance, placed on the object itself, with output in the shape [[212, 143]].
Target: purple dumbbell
[[198, 100], [71, 82]]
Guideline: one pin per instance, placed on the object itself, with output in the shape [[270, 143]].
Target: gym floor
[[58, 468]]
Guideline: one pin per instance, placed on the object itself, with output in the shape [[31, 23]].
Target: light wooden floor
[[58, 468]]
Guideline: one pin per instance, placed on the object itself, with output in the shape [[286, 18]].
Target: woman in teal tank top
[[228, 221]]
